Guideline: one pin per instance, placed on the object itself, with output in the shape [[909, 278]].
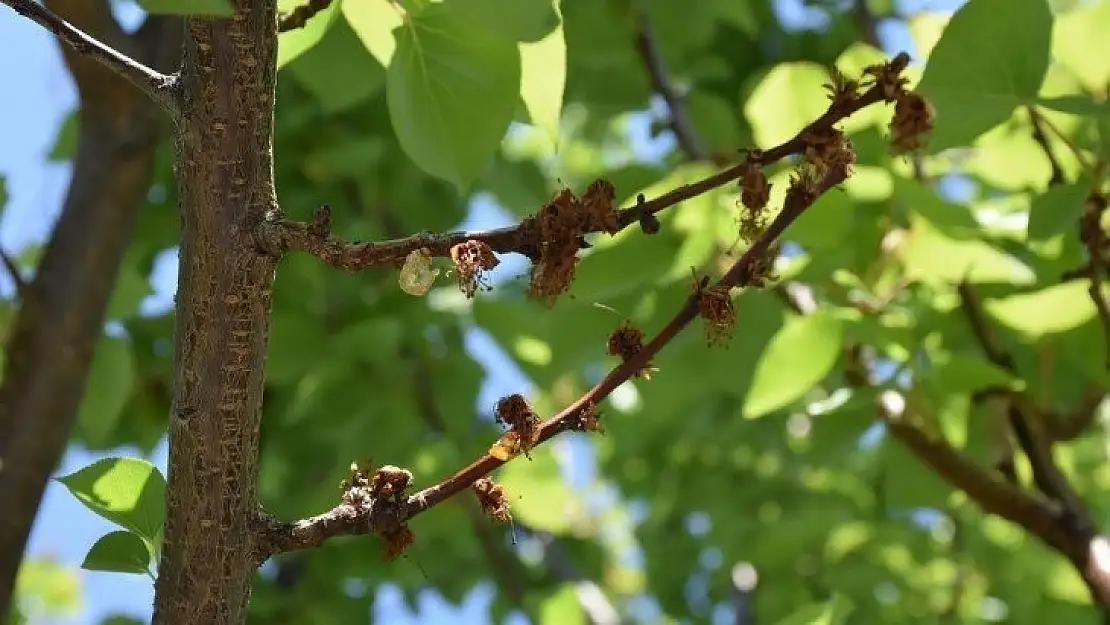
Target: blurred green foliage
[[758, 453]]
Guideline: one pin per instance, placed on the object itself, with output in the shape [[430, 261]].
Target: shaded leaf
[[338, 70], [214, 8], [799, 356], [543, 78], [517, 20], [121, 552], [106, 391], [1056, 210]]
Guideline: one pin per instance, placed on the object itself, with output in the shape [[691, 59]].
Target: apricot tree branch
[[372, 506], [278, 235], [679, 117], [365, 512], [157, 86]]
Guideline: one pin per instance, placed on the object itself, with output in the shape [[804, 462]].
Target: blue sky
[[40, 95]]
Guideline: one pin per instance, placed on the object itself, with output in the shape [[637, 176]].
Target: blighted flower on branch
[[472, 259], [626, 341], [912, 122], [557, 230], [717, 310], [514, 412], [493, 500]]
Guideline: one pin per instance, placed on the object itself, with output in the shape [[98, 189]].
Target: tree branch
[[278, 235], [364, 512], [155, 85], [62, 310], [679, 118], [298, 17]]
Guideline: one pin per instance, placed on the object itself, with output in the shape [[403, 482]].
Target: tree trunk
[[225, 172]]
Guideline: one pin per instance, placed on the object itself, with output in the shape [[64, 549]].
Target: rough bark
[[62, 311], [225, 173]]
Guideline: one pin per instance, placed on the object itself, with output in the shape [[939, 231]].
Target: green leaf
[[799, 356], [716, 120], [543, 76], [214, 8], [562, 608], [106, 391], [121, 552], [126, 491], [831, 612], [992, 57], [539, 495], [374, 23], [516, 20], [338, 70], [788, 98], [1079, 42], [1056, 210], [452, 91], [1051, 310], [296, 42], [65, 142], [131, 288], [931, 256]]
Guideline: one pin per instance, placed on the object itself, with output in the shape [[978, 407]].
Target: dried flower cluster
[[492, 498], [361, 490], [514, 412], [558, 230], [716, 309], [911, 124], [472, 259], [626, 341]]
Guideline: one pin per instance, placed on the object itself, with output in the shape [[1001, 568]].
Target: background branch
[[155, 85], [62, 310]]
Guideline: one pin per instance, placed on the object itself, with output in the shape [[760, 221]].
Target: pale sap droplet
[[417, 275]]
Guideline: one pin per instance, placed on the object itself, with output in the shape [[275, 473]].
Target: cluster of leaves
[[763, 453]]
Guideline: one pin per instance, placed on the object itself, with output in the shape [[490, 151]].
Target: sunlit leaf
[[213, 8], [127, 491], [991, 57], [293, 43], [452, 90], [1054, 309], [543, 77], [788, 98]]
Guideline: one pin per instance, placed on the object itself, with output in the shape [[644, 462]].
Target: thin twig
[[13, 271], [679, 118], [1042, 139], [279, 235], [299, 17], [157, 86], [1091, 168]]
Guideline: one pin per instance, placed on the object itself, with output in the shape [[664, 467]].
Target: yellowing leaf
[[374, 23], [1080, 43], [788, 98], [931, 256], [799, 356], [1055, 309], [543, 75]]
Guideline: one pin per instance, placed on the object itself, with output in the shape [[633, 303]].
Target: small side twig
[[279, 235], [679, 117], [1042, 140], [13, 271], [298, 17], [157, 86]]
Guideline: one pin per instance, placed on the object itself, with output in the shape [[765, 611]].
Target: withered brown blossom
[[396, 541], [558, 228], [716, 309], [626, 341], [493, 500], [911, 124], [588, 420], [390, 482], [514, 412], [472, 260]]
